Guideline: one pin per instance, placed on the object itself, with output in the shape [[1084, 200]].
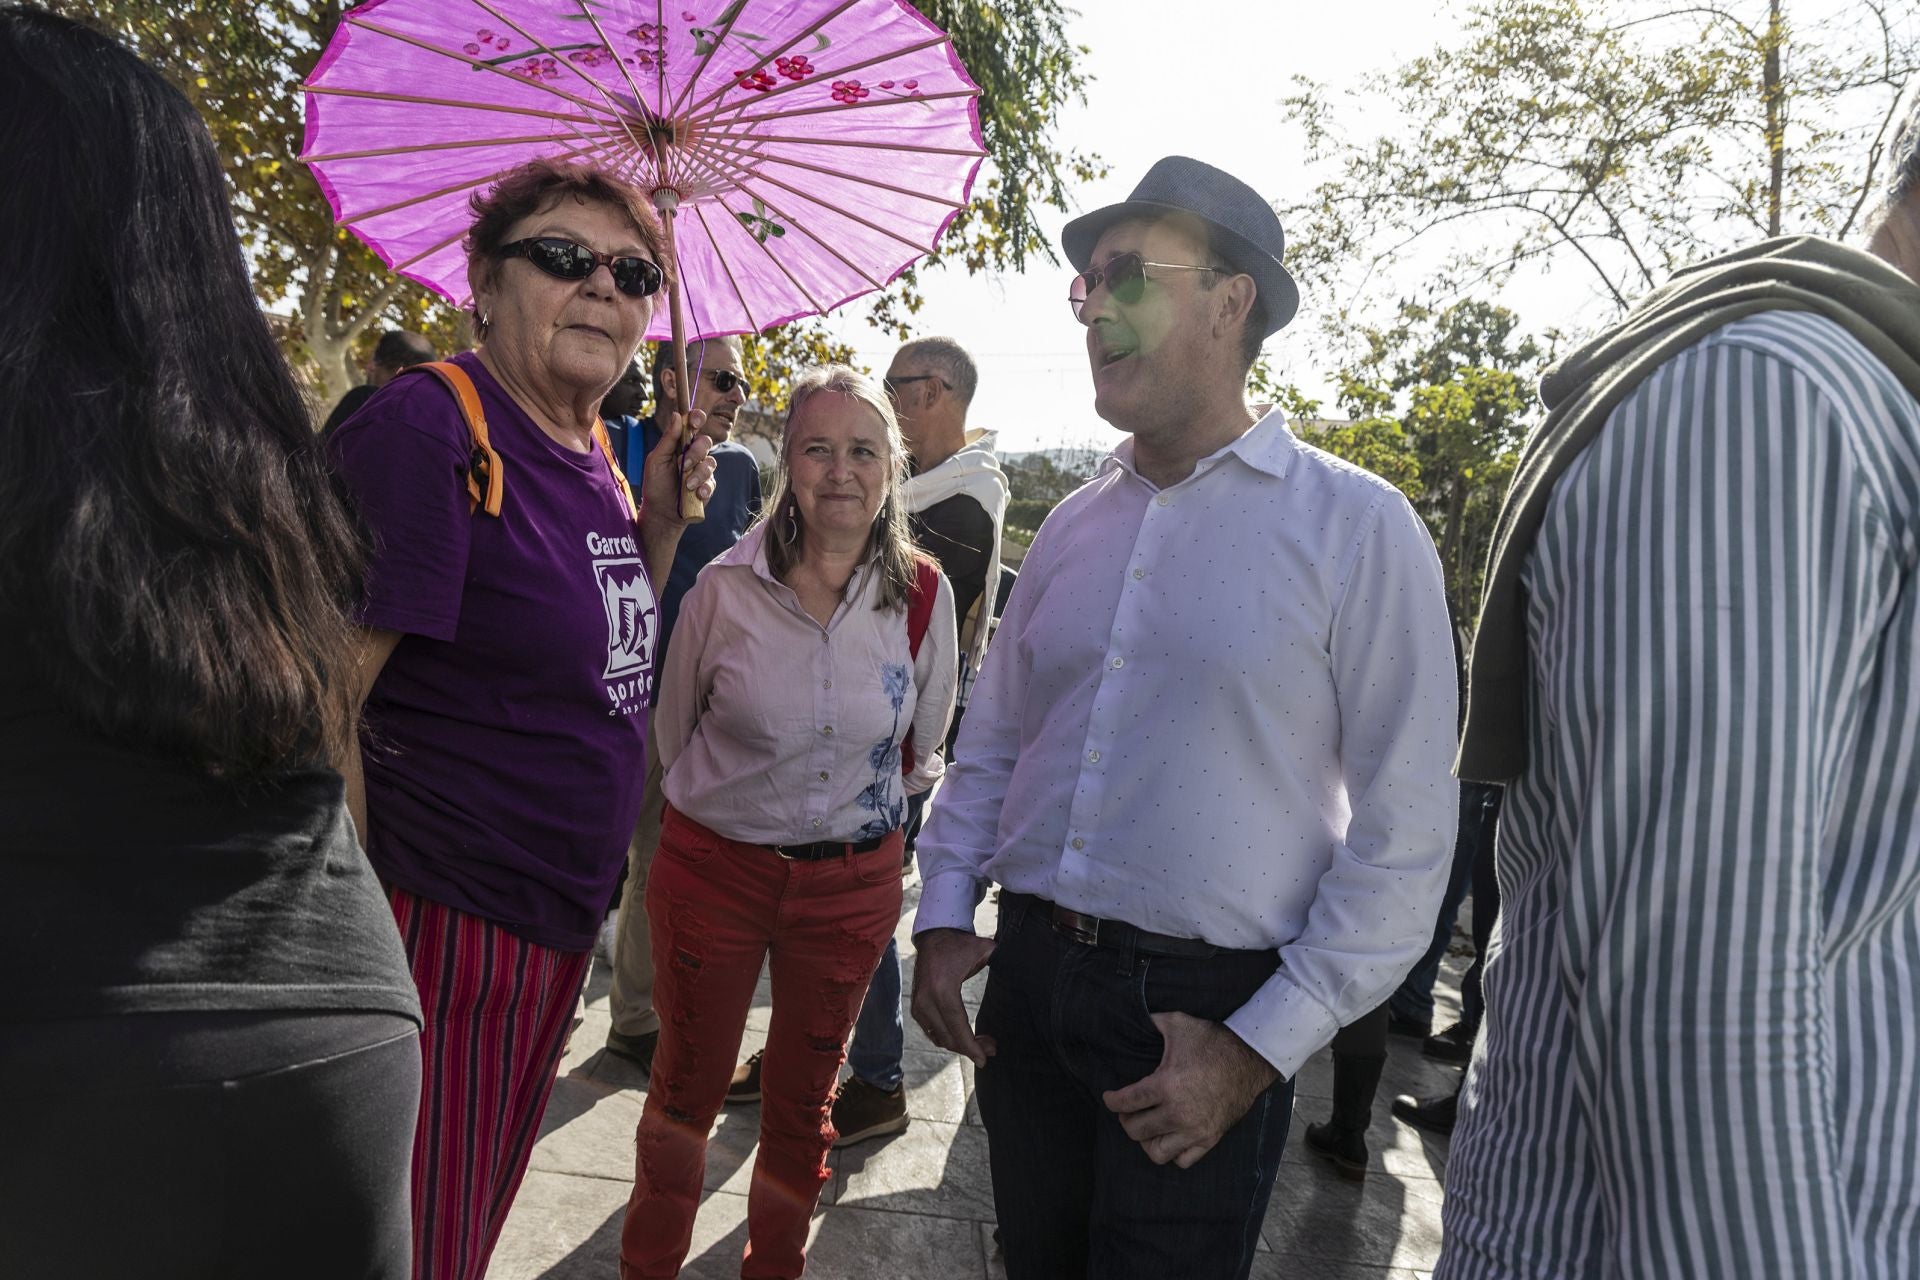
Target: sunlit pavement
[[919, 1203]]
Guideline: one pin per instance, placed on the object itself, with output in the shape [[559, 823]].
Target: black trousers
[[207, 1146], [1076, 1197]]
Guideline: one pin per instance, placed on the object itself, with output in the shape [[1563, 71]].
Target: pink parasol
[[812, 148]]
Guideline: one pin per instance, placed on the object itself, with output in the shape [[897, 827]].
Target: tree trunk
[[329, 340], [1776, 100]]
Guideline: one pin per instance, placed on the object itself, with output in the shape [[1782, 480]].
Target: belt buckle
[[1081, 928], [782, 851]]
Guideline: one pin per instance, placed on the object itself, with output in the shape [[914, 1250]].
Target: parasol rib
[[740, 185], [719, 38], [845, 213], [774, 158], [726, 266], [427, 196], [414, 148], [784, 49], [480, 65], [539, 44], [732, 176], [599, 31], [378, 96], [859, 142], [862, 105], [659, 90], [429, 251], [828, 77]]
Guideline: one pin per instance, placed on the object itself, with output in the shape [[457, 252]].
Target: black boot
[[1343, 1138]]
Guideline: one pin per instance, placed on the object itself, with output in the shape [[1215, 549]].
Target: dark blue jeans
[[1412, 1000], [1075, 1195], [877, 1051]]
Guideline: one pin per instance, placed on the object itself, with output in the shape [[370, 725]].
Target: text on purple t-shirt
[[503, 742]]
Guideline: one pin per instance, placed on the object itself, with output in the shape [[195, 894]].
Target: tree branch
[[1874, 155], [373, 310]]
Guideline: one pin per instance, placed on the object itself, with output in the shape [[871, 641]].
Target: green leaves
[[1438, 403], [1625, 137]]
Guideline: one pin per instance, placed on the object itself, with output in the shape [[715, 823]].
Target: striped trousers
[[497, 1013]]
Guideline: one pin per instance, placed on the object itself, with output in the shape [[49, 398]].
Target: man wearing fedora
[[1207, 762]]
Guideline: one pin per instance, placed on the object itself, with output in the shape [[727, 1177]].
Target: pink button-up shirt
[[773, 729]]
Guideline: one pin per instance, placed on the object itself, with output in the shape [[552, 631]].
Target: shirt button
[[826, 684], [1163, 499], [1078, 843], [1139, 573], [816, 822], [1119, 663], [823, 775], [828, 731], [1093, 757]]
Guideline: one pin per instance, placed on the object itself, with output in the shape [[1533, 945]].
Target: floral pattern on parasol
[[814, 148]]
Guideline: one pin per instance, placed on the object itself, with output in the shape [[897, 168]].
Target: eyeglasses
[[894, 384], [634, 276], [725, 380], [1125, 275]]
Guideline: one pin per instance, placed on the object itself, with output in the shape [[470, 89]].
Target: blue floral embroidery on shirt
[[878, 797]]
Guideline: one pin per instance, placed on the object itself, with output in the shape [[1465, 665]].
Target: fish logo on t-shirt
[[633, 616]]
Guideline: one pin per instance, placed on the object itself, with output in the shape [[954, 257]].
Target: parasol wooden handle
[[692, 509]]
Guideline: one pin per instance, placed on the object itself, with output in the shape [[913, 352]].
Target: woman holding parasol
[[510, 620]]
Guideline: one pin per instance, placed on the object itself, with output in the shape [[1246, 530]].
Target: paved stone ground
[[919, 1204]]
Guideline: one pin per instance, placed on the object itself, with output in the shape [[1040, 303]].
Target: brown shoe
[[746, 1081], [863, 1111]]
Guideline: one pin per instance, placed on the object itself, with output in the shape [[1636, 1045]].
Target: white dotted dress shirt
[[1223, 710]]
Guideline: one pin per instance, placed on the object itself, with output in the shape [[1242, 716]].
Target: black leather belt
[[823, 849], [1094, 932]]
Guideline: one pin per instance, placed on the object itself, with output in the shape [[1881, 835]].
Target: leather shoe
[[1455, 1044], [1435, 1115], [1346, 1148]]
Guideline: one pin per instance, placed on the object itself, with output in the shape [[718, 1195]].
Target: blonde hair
[[891, 537]]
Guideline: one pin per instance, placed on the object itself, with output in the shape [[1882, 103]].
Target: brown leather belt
[[821, 850], [1092, 931]]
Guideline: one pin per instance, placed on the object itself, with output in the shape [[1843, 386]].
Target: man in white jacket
[[957, 497]]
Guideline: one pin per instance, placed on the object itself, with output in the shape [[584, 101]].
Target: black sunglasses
[[725, 380], [893, 385], [1125, 275], [634, 276]]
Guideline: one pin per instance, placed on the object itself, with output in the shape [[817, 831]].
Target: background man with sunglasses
[[1207, 761], [719, 391]]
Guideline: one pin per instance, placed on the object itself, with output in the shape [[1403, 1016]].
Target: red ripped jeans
[[718, 908]]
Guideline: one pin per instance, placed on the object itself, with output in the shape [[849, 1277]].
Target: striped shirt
[[1703, 997]]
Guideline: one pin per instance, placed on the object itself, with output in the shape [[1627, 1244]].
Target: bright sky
[[1209, 87], [1204, 82]]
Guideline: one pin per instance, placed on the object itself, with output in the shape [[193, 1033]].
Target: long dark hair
[[174, 557]]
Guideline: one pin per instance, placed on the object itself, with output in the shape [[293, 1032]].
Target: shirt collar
[[751, 551], [1268, 446]]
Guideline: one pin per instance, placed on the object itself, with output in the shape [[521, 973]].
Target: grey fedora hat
[[1246, 230]]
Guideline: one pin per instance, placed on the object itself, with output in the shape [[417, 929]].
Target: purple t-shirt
[[504, 740]]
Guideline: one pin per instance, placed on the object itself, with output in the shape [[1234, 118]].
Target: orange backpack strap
[[926, 590], [486, 474], [613, 464]]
